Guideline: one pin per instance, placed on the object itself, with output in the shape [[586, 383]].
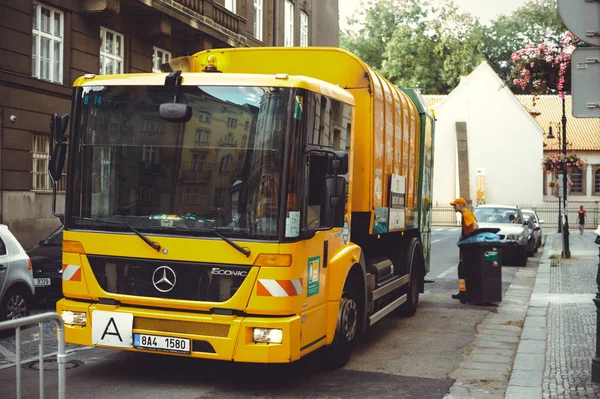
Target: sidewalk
[[557, 343], [540, 341]]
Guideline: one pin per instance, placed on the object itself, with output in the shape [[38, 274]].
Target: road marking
[[453, 269], [434, 241], [8, 355]]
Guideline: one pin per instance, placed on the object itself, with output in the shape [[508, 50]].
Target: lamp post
[[566, 253], [558, 136]]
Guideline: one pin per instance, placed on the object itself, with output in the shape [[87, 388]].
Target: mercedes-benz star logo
[[164, 279]]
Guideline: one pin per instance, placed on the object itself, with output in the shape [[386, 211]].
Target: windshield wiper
[[156, 246], [243, 250]]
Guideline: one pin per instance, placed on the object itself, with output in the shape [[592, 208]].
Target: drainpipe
[[274, 23]]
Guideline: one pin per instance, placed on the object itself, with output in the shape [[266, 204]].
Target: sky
[[485, 10]]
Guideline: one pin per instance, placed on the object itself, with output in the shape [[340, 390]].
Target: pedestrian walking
[[469, 225], [582, 216]]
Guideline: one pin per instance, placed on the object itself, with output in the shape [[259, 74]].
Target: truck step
[[382, 268], [388, 286], [387, 310]]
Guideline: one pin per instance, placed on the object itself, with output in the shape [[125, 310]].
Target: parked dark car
[[47, 267]]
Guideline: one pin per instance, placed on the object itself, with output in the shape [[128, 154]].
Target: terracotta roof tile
[[583, 134], [433, 99]]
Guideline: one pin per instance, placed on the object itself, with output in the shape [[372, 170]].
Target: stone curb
[[528, 369]]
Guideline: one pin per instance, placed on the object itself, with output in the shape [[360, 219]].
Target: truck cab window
[[316, 173]]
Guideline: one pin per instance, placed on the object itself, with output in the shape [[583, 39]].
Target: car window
[[2, 247], [495, 215], [56, 238]]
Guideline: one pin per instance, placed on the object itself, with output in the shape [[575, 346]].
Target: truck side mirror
[[335, 201], [58, 152], [58, 148], [337, 162]]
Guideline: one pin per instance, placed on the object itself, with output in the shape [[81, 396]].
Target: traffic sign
[[582, 18], [585, 82]]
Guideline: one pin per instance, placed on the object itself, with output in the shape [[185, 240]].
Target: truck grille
[[181, 327], [165, 279]]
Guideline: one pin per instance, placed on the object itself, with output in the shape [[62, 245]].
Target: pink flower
[[561, 94]]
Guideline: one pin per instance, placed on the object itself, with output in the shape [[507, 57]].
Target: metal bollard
[[596, 359]]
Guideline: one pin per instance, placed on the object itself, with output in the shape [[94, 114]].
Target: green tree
[[380, 18], [418, 43], [527, 24]]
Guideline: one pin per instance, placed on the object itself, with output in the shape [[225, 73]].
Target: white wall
[[503, 139]]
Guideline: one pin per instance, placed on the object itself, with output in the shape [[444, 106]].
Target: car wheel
[[14, 305], [522, 257]]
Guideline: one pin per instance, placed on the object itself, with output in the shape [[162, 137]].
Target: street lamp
[[565, 229], [551, 137]]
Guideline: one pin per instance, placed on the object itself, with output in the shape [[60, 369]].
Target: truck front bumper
[[211, 336]]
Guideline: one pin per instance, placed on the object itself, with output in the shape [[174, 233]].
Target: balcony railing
[[219, 14]]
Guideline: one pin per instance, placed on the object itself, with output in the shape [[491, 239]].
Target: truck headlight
[[513, 237], [74, 318], [268, 335]]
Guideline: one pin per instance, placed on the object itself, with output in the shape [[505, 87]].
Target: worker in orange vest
[[469, 225]]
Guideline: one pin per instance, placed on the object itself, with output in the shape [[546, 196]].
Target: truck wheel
[[337, 354], [414, 259]]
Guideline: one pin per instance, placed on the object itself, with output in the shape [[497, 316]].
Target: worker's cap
[[459, 201]]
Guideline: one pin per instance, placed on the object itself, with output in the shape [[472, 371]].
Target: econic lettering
[[225, 272]]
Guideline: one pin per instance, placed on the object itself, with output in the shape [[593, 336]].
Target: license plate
[[161, 344], [41, 282]]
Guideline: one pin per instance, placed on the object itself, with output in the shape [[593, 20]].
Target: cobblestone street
[[571, 320]]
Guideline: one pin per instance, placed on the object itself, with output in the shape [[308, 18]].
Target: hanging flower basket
[[544, 67], [560, 163]]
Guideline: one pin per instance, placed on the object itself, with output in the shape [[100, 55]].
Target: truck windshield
[[220, 171]]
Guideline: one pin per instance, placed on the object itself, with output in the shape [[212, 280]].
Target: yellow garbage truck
[[250, 205]]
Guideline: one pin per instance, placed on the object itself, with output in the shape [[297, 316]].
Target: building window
[[41, 148], [149, 154], [230, 5], [191, 196], [160, 57], [244, 141], [47, 43], [225, 164], [288, 24], [303, 29], [577, 179], [204, 116], [111, 51], [597, 181], [202, 136], [232, 122], [258, 19], [198, 161], [220, 196]]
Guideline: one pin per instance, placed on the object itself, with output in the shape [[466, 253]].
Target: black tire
[[415, 260], [337, 354], [15, 304]]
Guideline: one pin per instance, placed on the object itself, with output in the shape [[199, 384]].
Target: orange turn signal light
[[74, 247], [273, 260]]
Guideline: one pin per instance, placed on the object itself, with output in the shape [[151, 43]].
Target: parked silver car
[[537, 233], [16, 278], [513, 231]]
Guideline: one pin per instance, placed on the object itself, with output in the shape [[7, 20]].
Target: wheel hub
[[349, 319], [16, 307]]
